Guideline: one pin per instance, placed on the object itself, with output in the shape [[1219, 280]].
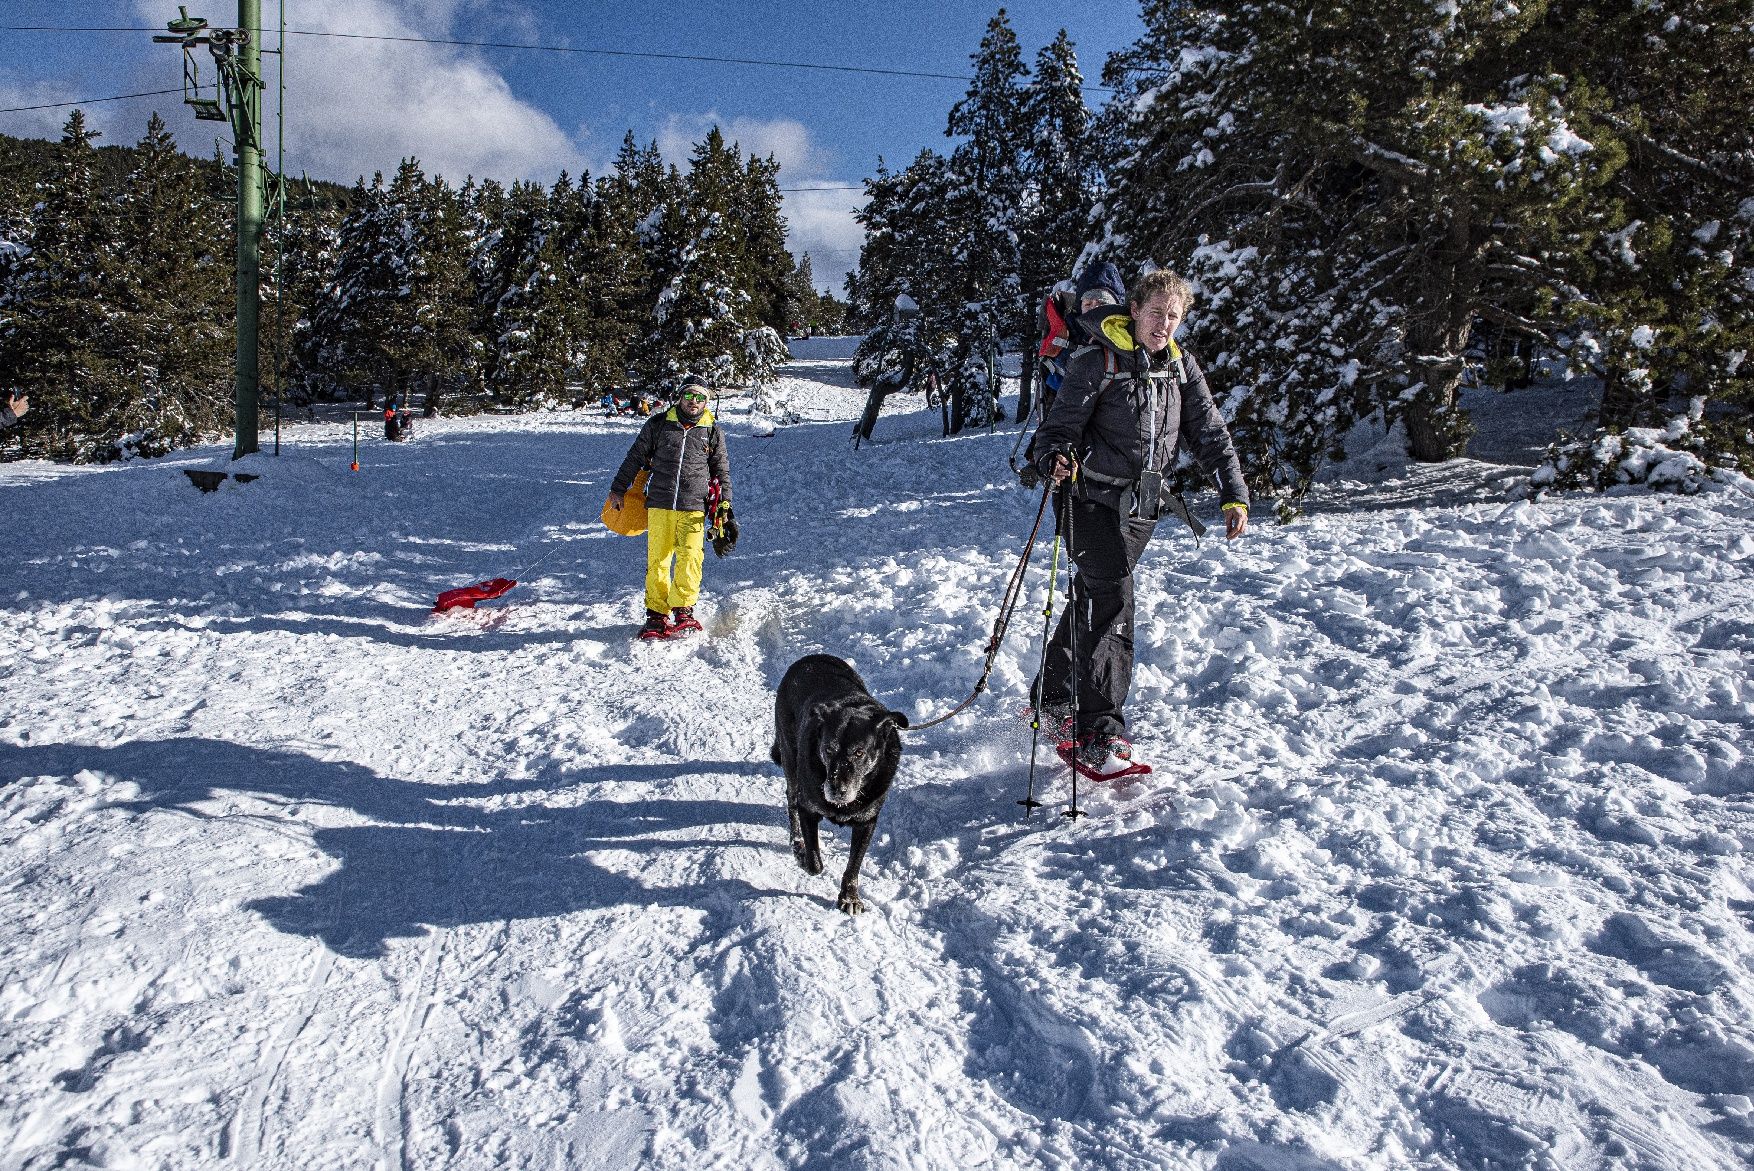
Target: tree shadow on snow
[[430, 857]]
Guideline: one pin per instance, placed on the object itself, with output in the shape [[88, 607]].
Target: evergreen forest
[[1376, 204], [1553, 189], [117, 288]]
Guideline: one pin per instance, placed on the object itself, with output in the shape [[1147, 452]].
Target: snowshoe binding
[[683, 621], [657, 626]]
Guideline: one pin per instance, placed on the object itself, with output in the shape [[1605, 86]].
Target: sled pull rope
[[1013, 595], [522, 574]]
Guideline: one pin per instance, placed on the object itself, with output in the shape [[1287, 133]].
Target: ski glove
[[725, 531]]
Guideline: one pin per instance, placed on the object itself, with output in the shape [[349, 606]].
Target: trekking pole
[[1017, 446], [1029, 803], [1072, 811], [1013, 595]]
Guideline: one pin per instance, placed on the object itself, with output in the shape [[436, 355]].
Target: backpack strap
[[715, 492], [1111, 370]]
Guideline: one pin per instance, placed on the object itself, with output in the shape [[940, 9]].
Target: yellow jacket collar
[[705, 420], [1117, 330], [1117, 327]]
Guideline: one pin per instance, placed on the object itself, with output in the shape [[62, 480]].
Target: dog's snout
[[843, 785]]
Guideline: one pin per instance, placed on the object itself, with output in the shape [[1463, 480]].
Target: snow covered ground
[[1444, 864]]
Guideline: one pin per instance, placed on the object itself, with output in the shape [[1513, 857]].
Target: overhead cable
[[90, 101], [698, 57]]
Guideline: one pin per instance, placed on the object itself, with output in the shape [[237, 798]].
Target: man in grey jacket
[[1127, 402], [688, 477]]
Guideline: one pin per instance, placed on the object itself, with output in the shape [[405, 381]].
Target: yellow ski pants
[[682, 536]]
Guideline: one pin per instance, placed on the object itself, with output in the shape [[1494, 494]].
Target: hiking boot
[[657, 625], [1105, 753], [682, 620]]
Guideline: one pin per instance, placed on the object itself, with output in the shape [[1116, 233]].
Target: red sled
[[467, 596], [1068, 750]]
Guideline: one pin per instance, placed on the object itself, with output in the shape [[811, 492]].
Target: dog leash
[[1013, 595]]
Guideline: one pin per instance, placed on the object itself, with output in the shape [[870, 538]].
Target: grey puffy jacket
[[683, 458], [1103, 414]]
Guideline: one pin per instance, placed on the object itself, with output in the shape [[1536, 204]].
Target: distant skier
[[689, 478], [1127, 400]]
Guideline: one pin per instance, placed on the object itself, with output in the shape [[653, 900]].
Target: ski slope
[[1444, 863]]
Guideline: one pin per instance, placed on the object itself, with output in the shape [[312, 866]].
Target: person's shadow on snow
[[432, 856]]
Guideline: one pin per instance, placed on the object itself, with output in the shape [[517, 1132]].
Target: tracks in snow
[[246, 1137], [391, 1118]]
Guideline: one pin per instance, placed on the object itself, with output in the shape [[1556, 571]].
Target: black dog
[[839, 748]]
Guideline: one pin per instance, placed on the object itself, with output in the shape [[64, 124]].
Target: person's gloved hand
[[724, 531], [1056, 466]]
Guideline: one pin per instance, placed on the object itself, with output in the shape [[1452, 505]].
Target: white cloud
[[787, 140], [41, 123], [358, 106], [821, 223], [818, 222]]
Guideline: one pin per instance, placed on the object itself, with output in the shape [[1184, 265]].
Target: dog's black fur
[[839, 748]]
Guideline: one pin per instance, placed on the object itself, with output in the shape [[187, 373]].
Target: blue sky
[[356, 106]]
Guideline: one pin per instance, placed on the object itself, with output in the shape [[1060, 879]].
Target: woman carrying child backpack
[[688, 476]]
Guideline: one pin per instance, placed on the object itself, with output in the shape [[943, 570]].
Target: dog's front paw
[[850, 901], [810, 860]]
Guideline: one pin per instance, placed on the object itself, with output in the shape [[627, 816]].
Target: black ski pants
[[1093, 643]]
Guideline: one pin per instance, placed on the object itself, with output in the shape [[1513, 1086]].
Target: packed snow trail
[[1443, 864]]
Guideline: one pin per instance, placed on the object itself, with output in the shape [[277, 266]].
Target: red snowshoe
[[1111, 759]]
